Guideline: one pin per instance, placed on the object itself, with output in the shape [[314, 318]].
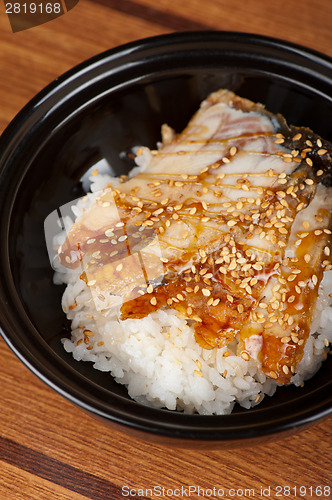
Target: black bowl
[[101, 109]]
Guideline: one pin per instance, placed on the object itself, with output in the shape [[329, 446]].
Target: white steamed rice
[[157, 357]]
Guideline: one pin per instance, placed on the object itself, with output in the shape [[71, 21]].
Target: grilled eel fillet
[[228, 222]]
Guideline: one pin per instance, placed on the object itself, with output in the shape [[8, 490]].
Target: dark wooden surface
[[49, 449]]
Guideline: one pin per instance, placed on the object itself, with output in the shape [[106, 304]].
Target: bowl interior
[[104, 120]]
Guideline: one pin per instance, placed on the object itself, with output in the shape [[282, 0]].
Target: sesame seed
[[206, 292], [226, 354], [245, 356], [297, 137], [149, 289], [309, 162], [198, 364], [91, 282], [327, 251], [321, 152], [257, 267], [88, 333], [283, 230], [285, 369], [119, 267], [231, 223], [153, 301]]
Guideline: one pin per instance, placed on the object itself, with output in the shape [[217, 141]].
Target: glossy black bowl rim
[[235, 427]]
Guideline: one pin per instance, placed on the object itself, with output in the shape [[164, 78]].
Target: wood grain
[[49, 448]]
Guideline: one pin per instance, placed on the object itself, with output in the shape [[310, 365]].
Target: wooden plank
[[309, 25], [62, 436], [19, 485]]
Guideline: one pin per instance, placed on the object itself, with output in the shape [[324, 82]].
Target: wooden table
[[50, 449]]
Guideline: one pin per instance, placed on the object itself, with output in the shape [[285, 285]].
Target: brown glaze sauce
[[219, 291]]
